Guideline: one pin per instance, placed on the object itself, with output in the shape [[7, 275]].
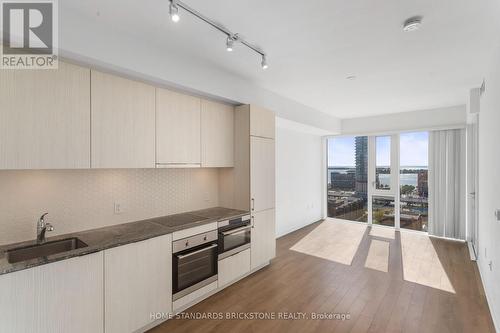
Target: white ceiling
[[314, 45]]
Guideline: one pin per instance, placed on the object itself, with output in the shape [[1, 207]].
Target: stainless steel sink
[[43, 250]]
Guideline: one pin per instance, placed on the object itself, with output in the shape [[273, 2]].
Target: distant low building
[[343, 181]]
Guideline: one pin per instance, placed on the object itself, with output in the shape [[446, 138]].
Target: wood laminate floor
[[389, 282]]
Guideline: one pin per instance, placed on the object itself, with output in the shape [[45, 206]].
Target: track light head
[[264, 63], [174, 12], [229, 44]]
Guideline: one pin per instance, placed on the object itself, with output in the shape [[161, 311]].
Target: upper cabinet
[[45, 118], [217, 134], [123, 122], [177, 129], [262, 122]]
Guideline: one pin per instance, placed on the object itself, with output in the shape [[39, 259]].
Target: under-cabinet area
[[156, 200]]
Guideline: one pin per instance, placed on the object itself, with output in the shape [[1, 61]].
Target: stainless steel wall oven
[[194, 261], [234, 236]]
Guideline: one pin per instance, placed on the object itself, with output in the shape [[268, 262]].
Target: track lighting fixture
[[231, 37], [229, 44], [264, 62], [174, 11]]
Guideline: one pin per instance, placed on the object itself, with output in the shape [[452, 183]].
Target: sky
[[413, 150]]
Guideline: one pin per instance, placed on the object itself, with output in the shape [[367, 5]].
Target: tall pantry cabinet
[[250, 185]]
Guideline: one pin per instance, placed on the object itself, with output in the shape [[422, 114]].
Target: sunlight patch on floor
[[383, 232], [378, 256], [421, 263], [333, 240]]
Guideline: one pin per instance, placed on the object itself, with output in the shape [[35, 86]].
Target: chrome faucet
[[41, 228]]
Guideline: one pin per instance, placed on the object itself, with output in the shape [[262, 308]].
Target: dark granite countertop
[[120, 234]]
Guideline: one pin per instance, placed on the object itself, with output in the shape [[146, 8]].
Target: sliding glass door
[[379, 179], [413, 175], [382, 192]]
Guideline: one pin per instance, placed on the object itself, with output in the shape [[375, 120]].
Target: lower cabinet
[[138, 284], [263, 237], [233, 267], [65, 296]]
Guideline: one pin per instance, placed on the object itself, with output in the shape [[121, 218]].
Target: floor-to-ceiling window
[[364, 184], [348, 178], [413, 174]]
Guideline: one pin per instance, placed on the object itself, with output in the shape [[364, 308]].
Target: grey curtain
[[447, 183]]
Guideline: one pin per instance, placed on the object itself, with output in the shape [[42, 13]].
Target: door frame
[[472, 134], [393, 192]]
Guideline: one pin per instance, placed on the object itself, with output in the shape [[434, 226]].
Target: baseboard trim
[[289, 231], [488, 298]]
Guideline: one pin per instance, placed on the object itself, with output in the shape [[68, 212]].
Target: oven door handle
[[230, 232], [182, 256]]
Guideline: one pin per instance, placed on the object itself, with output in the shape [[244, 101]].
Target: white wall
[[299, 186], [454, 116], [489, 187]]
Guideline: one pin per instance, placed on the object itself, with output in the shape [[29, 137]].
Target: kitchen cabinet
[[45, 118], [122, 122], [138, 283], [262, 177], [263, 238], [233, 267], [65, 296], [177, 129], [262, 122], [217, 134]]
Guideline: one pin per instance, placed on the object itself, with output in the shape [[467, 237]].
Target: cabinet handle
[[253, 223], [253, 204]]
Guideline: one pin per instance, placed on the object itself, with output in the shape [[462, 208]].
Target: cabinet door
[[262, 178], [138, 282], [217, 134], [65, 296], [123, 122], [262, 122], [45, 118], [233, 267], [177, 128], [263, 238]]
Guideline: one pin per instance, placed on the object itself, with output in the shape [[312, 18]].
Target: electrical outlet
[[118, 208]]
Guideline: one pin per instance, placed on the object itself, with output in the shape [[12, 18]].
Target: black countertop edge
[[121, 234]]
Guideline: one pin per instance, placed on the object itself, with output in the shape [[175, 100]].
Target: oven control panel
[[193, 241]]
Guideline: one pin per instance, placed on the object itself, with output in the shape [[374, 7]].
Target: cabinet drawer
[[234, 267]]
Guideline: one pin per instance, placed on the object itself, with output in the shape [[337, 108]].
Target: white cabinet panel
[[263, 237], [262, 122], [65, 296], [262, 177], [123, 122], [138, 282], [45, 118], [233, 267], [217, 134], [177, 128]]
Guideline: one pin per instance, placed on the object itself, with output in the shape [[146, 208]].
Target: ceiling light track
[[231, 37]]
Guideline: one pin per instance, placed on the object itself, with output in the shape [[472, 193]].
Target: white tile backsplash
[[84, 199]]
